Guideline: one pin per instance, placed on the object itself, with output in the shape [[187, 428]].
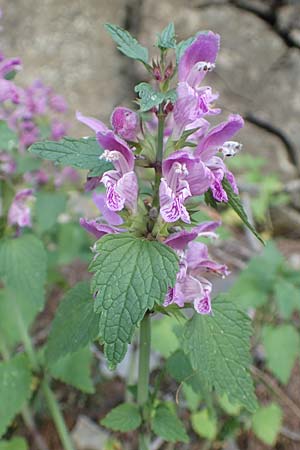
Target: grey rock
[[279, 98], [87, 435], [64, 44]]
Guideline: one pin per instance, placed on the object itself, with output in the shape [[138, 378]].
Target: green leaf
[[14, 444], [71, 232], [281, 345], [182, 46], [8, 137], [210, 200], [10, 75], [125, 417], [131, 275], [23, 272], [255, 284], [127, 44], [75, 370], [218, 347], [233, 409], [15, 381], [236, 204], [166, 424], [287, 297], [48, 207], [167, 37], [149, 97], [79, 153], [75, 324], [179, 366], [171, 96], [27, 163], [163, 338], [204, 424], [192, 398], [266, 423]]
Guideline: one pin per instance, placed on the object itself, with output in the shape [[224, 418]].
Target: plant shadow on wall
[[155, 176]]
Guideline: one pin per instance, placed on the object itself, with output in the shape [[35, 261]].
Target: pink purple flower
[[20, 212], [191, 284], [125, 123]]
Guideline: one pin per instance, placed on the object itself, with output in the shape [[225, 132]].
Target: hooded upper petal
[[95, 124], [216, 137], [110, 142], [204, 49]]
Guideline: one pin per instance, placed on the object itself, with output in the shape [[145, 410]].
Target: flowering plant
[[157, 165]]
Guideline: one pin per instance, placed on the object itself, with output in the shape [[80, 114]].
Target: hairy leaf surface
[[127, 44], [167, 425], [79, 153], [131, 275], [75, 324], [125, 417], [218, 347], [23, 271], [167, 37], [235, 202], [15, 380]]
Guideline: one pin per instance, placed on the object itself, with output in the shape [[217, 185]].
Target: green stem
[[57, 416], [143, 378], [160, 135], [26, 339], [159, 155]]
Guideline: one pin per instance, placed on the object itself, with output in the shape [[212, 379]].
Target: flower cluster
[[32, 113], [192, 163]]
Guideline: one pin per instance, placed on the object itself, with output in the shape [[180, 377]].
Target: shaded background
[[64, 44]]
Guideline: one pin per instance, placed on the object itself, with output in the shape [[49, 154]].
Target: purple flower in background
[[58, 103], [38, 177], [125, 123], [8, 91], [58, 129], [7, 163], [9, 65], [19, 212], [191, 285], [121, 184], [183, 176], [66, 175]]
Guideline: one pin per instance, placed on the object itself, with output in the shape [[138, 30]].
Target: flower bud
[[156, 70], [169, 71], [125, 123]]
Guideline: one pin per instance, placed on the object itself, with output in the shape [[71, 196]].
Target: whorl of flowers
[[32, 113], [192, 162]]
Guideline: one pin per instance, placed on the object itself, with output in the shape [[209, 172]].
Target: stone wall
[[63, 43]]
